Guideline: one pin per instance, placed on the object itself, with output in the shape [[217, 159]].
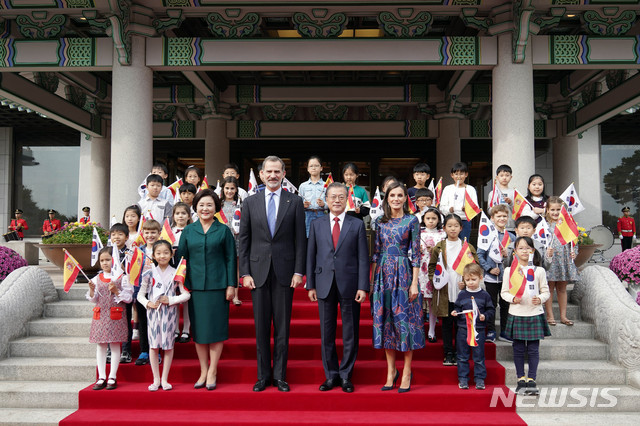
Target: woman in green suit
[[210, 251]]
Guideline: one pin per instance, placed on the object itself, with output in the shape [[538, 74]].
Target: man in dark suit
[[272, 251], [338, 272]]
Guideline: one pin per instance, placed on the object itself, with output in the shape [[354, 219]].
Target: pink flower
[[626, 265]]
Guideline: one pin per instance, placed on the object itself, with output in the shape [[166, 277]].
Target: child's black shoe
[[532, 387], [522, 384]]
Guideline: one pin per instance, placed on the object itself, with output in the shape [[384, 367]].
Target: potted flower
[[626, 266], [586, 247], [10, 260], [77, 239]]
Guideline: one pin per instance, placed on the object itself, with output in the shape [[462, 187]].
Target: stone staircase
[[573, 373], [40, 380]]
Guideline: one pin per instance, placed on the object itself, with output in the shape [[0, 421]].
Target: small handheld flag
[[519, 203], [517, 279], [542, 233], [96, 246], [411, 206], [167, 233], [134, 266], [143, 186], [329, 181], [570, 197], [222, 217], [431, 187], [472, 318], [376, 206], [566, 229], [235, 222], [253, 184], [181, 271], [351, 199], [218, 188], [116, 266], [506, 240], [288, 186], [464, 258], [438, 193], [496, 195], [487, 232], [440, 276], [174, 187], [471, 209], [532, 285], [495, 253], [204, 184], [71, 269]]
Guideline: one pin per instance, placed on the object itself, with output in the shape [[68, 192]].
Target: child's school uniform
[[493, 283], [362, 201], [443, 299], [510, 194], [526, 320], [109, 323], [157, 209], [463, 350], [428, 240], [453, 196], [561, 266], [538, 202], [163, 320]]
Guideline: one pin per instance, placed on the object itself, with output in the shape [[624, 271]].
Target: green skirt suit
[[211, 268]]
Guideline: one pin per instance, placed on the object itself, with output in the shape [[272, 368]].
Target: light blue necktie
[[271, 214]]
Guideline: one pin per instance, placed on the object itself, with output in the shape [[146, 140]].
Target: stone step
[[586, 418], [29, 394], [60, 327], [69, 309], [593, 398], [33, 417], [571, 373], [559, 349], [51, 346], [76, 292], [48, 369]]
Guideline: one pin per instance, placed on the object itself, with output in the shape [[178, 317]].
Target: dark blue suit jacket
[[348, 263]]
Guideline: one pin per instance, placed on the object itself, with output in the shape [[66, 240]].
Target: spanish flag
[[205, 183], [471, 209], [517, 279], [71, 269], [412, 207], [464, 258], [519, 203], [351, 199], [329, 181], [471, 317], [506, 240], [438, 193], [181, 271], [222, 218], [566, 229], [167, 233], [134, 266], [175, 186]]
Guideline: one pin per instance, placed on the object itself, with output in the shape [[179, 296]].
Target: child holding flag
[[454, 254], [474, 310], [526, 290], [536, 197], [562, 252], [455, 196], [430, 235], [501, 193], [313, 192], [181, 217], [231, 207], [158, 295], [109, 324], [358, 203], [131, 218]]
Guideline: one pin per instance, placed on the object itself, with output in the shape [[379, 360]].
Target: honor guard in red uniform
[[52, 224], [626, 229], [18, 224], [86, 218]]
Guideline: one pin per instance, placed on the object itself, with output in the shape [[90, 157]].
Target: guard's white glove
[[620, 237], [634, 237]]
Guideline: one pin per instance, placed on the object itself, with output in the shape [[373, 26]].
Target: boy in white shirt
[[152, 206], [453, 197], [503, 177]]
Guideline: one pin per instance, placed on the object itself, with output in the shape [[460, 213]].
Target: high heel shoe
[[199, 385], [403, 390], [395, 379]]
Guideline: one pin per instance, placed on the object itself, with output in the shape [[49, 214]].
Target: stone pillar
[[577, 160], [447, 146], [84, 174], [131, 127], [99, 186], [6, 174], [216, 148], [513, 114]]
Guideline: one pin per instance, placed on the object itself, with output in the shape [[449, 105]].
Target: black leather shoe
[[329, 384], [260, 386], [347, 386], [281, 385]]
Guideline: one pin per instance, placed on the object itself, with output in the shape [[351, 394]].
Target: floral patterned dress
[[561, 266], [397, 322], [109, 324], [428, 239]]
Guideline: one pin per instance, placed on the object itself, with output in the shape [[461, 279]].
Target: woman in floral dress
[[397, 304]]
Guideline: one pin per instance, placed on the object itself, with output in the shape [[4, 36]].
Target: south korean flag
[[440, 276], [487, 233], [542, 235], [494, 252], [570, 197]]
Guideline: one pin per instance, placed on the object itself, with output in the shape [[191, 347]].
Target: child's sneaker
[[463, 385], [454, 360], [480, 384], [143, 359], [447, 360], [532, 387], [504, 338], [491, 337], [522, 384], [125, 358]]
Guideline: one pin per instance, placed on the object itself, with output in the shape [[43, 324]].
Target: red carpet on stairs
[[434, 397]]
